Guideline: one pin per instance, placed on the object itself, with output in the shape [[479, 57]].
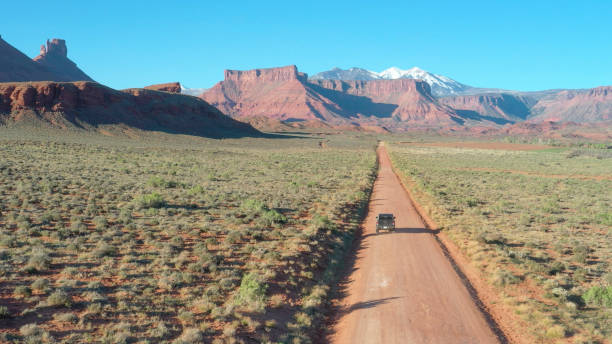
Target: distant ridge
[[440, 85], [392, 100], [285, 94]]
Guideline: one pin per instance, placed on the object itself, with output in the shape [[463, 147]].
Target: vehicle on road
[[385, 222]]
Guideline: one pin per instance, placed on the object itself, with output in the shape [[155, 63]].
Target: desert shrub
[[604, 218], [556, 267], [189, 336], [78, 227], [321, 222], [8, 241], [229, 331], [555, 331], [104, 250], [252, 292], [94, 308], [4, 312], [31, 330], [100, 222], [161, 182], [315, 298], [186, 317], [66, 318], [198, 189], [233, 237], [581, 253], [94, 296], [59, 298], [160, 330], [271, 217], [39, 261], [152, 200], [46, 219], [34, 334], [23, 291], [599, 296]]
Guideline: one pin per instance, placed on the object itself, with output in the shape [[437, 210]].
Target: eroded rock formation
[[92, 104]]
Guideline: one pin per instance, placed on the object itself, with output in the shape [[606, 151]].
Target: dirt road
[[403, 289]]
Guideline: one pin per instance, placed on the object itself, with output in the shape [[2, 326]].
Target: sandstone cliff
[[172, 87], [286, 94], [278, 93], [499, 107], [54, 57], [592, 105], [406, 100], [16, 66], [88, 104]]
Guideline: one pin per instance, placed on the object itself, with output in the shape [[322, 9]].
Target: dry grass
[[175, 239]]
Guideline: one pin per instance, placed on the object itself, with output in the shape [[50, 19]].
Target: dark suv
[[385, 221]]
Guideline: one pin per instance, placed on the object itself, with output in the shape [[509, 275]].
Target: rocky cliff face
[[499, 107], [592, 105], [172, 87], [407, 100], [91, 104], [286, 94], [54, 57], [280, 74], [16, 66], [382, 91], [277, 93]]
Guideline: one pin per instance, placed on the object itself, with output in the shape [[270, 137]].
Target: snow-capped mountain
[[440, 85], [193, 91], [346, 74]]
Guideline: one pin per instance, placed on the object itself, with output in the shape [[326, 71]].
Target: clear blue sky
[[524, 45]]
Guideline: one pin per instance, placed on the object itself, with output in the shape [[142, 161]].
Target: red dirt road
[[403, 289]]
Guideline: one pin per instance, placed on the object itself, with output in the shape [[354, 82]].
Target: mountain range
[[440, 85], [283, 98], [394, 102]]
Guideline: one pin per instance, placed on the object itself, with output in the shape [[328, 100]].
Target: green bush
[[273, 217], [198, 189], [161, 182], [153, 200], [604, 218], [252, 291], [599, 296], [320, 222], [253, 205]]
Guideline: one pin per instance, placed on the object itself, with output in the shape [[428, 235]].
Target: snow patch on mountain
[[440, 84]]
